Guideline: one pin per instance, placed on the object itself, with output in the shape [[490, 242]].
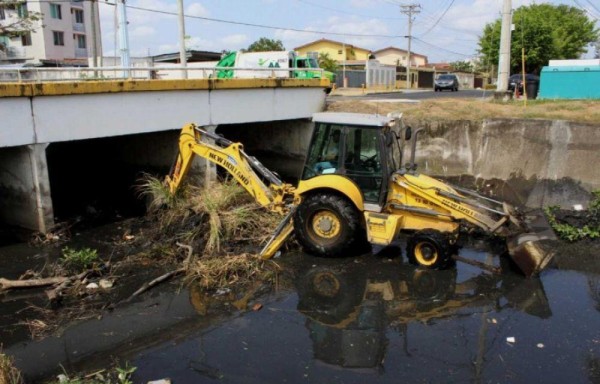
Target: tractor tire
[[430, 249], [328, 225]]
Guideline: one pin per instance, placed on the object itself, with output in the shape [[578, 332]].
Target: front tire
[[328, 225], [430, 249]]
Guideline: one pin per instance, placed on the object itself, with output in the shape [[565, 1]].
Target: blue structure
[[570, 82]]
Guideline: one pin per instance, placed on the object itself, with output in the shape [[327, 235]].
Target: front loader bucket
[[528, 250], [529, 253]]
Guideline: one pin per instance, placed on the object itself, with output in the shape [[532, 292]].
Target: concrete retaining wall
[[549, 162]]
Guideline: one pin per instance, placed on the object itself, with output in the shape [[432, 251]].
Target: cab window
[[362, 161], [325, 148]]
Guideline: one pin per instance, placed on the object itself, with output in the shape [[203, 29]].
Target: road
[[415, 95]]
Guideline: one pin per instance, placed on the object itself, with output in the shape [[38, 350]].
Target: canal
[[349, 320]]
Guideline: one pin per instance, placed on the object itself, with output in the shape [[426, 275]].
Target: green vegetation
[[25, 22], [264, 44], [327, 63], [546, 32], [79, 259], [9, 374], [572, 233], [462, 66]]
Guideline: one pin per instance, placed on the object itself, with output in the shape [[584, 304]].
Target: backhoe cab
[[354, 191]]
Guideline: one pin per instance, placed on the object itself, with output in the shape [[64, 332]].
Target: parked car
[[448, 81], [516, 80]]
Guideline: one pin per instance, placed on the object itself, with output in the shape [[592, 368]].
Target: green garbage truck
[[279, 64]]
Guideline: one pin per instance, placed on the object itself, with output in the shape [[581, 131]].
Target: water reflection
[[349, 307], [594, 286]]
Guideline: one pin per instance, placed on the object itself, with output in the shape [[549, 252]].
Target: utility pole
[[123, 38], [504, 54], [409, 10], [94, 36], [182, 53]]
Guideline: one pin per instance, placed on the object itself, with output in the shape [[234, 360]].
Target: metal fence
[[356, 79]]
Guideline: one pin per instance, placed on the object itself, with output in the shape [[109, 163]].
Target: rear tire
[[429, 249], [328, 225]]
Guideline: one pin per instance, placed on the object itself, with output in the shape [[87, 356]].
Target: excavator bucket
[[530, 250], [525, 234]]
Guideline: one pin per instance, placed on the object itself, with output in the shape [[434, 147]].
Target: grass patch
[[9, 374], [79, 259]]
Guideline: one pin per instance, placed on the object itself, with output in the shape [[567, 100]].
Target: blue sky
[[445, 30]]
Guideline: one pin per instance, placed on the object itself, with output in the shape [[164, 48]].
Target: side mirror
[[407, 133]]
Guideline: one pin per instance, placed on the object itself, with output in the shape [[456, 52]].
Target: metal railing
[[40, 74]]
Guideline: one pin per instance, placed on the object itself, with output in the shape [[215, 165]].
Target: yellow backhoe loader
[[354, 190]]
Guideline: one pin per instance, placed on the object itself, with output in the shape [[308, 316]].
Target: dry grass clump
[[221, 221], [215, 272], [9, 374], [216, 219]]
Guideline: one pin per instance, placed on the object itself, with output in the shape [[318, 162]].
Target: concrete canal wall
[[544, 162]]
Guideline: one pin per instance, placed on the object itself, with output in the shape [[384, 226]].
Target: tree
[[327, 63], [265, 44], [462, 66], [22, 22], [546, 32]]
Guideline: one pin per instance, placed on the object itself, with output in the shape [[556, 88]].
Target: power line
[[438, 20], [440, 48], [261, 25], [584, 9], [593, 6]]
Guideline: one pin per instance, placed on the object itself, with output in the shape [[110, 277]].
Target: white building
[[68, 34]]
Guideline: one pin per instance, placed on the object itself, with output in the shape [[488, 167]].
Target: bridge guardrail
[[39, 74]]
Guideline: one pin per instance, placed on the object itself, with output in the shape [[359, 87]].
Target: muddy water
[[349, 320]]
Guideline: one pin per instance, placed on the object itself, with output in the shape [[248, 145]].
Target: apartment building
[[68, 34]]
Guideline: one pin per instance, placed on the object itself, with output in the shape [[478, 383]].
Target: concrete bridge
[[60, 141]]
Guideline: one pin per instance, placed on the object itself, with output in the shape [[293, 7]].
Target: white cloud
[[234, 41], [339, 25], [196, 9], [141, 32], [363, 3]]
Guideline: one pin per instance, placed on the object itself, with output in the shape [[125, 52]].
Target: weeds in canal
[[217, 218], [222, 223], [79, 259], [9, 374], [157, 192], [575, 226]]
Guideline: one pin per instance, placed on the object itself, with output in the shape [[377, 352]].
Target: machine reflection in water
[[349, 307]]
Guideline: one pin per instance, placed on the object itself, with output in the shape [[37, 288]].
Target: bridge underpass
[[78, 150]]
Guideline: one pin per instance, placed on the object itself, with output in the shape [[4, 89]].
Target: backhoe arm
[[245, 169]]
